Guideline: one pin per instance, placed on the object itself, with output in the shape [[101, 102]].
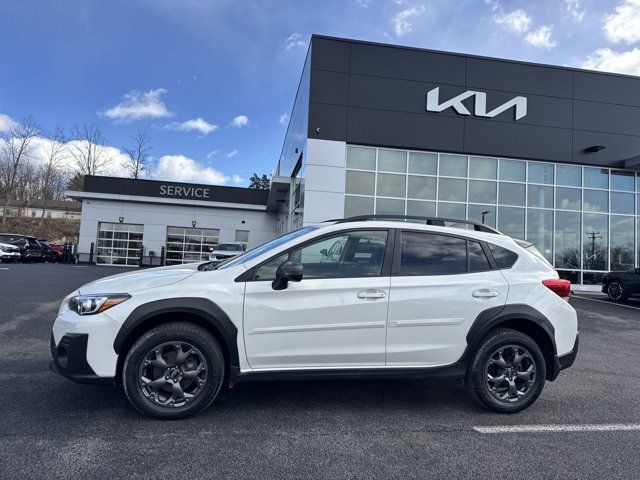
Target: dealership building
[[549, 154]]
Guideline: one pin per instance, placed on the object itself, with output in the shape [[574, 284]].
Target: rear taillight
[[562, 288]]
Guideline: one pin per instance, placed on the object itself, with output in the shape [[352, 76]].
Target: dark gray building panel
[[329, 87], [408, 64], [391, 129], [606, 88], [328, 54], [327, 122], [517, 140], [519, 78], [606, 117], [619, 148]]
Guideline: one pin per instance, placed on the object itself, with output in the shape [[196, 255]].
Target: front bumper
[[10, 256], [564, 361], [70, 359]]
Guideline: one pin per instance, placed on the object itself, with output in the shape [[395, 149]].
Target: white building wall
[[157, 217], [324, 180]]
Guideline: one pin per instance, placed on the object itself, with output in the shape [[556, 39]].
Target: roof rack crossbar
[[438, 221]]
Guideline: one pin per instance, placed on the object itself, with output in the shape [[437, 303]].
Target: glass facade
[[583, 219]]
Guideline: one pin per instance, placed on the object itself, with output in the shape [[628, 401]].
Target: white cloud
[[573, 8], [295, 40], [240, 121], [284, 118], [541, 37], [6, 123], [212, 153], [137, 105], [197, 124], [517, 21], [402, 20], [624, 24], [232, 153], [237, 179], [364, 3], [608, 60], [179, 168]]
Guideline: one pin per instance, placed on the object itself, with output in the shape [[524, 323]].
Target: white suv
[[399, 299]]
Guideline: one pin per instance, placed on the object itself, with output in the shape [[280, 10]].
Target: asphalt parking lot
[[52, 428]]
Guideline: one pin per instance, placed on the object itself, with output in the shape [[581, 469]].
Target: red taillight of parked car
[[560, 287]]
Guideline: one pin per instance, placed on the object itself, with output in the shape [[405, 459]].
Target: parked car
[[619, 286], [47, 253], [29, 246], [223, 251], [58, 251], [403, 299], [9, 253]]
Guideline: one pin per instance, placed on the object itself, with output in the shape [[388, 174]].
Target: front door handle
[[371, 294], [484, 293]]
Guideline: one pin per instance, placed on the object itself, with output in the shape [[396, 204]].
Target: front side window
[[344, 255]]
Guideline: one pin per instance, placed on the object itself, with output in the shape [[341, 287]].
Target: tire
[[616, 291], [149, 380], [499, 395]]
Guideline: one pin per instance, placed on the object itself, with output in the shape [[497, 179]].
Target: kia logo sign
[[519, 104], [179, 191]]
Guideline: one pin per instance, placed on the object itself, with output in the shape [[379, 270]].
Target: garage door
[[187, 245], [119, 244]]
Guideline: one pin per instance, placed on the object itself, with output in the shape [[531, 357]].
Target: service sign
[[196, 192]]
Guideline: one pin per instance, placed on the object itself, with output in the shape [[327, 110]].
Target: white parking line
[[611, 427], [605, 301], [5, 268]]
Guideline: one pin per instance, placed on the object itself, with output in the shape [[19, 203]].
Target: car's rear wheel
[[174, 371], [507, 371], [616, 291]]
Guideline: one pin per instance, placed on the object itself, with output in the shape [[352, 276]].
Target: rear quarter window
[[504, 258]]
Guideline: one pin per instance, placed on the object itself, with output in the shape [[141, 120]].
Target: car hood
[[8, 246], [230, 253], [140, 280]]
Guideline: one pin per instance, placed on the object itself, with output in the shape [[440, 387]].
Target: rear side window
[[478, 261], [432, 254], [504, 258]]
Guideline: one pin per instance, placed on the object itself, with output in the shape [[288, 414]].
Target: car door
[[334, 317], [439, 285]]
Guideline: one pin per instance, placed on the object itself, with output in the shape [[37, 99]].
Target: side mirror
[[287, 272], [324, 252]]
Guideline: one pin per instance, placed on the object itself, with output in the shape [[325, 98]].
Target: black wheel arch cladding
[[155, 313]]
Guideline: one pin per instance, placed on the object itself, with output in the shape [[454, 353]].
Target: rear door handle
[[371, 294], [484, 293]]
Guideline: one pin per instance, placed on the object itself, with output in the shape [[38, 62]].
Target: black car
[[48, 256], [621, 285], [29, 246]]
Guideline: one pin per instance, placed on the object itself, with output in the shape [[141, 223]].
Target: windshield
[[265, 247], [229, 247]]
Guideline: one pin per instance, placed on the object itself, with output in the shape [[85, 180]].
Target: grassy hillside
[[55, 230]]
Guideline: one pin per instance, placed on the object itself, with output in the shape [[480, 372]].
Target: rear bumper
[[70, 359], [564, 361]]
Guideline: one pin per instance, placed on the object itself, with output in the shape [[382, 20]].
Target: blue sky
[[213, 81]]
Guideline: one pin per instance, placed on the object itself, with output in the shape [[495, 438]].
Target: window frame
[[385, 271], [397, 254]]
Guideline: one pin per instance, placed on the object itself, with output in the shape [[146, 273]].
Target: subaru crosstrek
[[394, 299]]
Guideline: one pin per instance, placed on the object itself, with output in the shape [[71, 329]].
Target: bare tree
[[50, 174], [15, 151], [138, 156], [87, 149]]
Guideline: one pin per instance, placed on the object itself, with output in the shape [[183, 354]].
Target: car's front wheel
[[507, 371], [616, 291], [174, 371]]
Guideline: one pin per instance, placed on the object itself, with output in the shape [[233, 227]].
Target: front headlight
[[92, 304]]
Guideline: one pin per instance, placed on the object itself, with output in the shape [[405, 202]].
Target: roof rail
[[438, 221]]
